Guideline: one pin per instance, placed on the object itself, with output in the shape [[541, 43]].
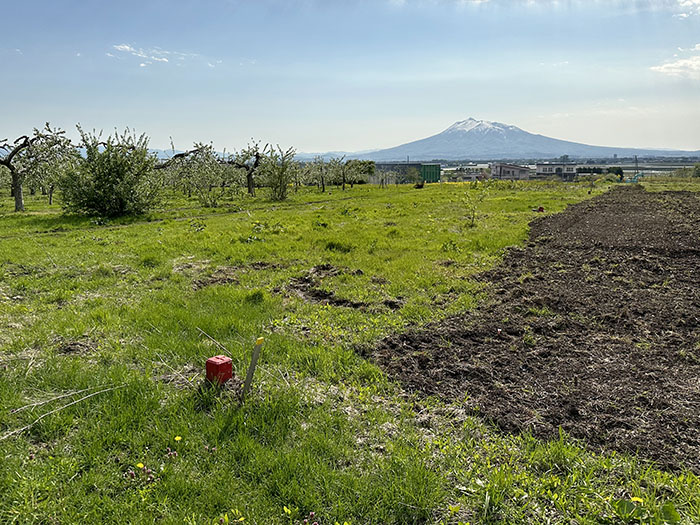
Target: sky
[[351, 75]]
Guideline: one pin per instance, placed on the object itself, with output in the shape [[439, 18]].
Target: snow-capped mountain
[[479, 126], [481, 139]]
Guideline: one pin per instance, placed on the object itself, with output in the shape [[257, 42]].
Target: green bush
[[114, 177], [617, 171]]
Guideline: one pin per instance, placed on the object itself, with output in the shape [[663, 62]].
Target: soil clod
[[82, 346]]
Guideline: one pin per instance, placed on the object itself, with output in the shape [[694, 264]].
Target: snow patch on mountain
[[472, 124]]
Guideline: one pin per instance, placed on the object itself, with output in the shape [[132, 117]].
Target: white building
[[501, 170], [565, 170]]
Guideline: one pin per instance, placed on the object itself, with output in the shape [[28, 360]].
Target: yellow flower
[[637, 500], [178, 438], [139, 465]]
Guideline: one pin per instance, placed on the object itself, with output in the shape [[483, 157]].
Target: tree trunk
[[17, 192], [323, 184], [50, 195], [32, 191], [251, 183], [343, 180]]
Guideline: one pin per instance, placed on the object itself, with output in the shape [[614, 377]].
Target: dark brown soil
[[308, 286], [229, 274], [220, 276], [82, 346], [592, 327]]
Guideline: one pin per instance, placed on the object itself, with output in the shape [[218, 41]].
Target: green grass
[[670, 183], [324, 431]]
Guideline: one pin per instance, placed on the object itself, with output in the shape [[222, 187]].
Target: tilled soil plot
[[593, 326]]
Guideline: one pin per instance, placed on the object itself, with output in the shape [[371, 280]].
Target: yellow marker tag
[[260, 340]]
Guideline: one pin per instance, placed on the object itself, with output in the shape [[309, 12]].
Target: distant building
[[501, 170], [408, 172], [465, 173], [565, 170]]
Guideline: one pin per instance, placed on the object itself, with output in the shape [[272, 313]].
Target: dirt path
[[593, 326]]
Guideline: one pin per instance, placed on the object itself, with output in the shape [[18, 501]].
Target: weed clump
[[337, 246]]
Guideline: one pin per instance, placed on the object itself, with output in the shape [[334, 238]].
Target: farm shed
[[411, 171]]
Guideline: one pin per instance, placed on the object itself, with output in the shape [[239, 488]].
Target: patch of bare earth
[[593, 327], [308, 286], [82, 346], [219, 276], [184, 377], [223, 275]]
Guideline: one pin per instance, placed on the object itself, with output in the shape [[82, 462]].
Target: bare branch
[[19, 144], [177, 156], [22, 143]]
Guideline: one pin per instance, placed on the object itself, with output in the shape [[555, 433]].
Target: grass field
[[120, 316]]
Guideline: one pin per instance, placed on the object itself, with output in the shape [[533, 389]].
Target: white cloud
[[681, 68], [690, 4], [696, 47], [150, 55], [563, 63], [682, 8], [215, 63], [688, 7], [686, 67], [124, 47]]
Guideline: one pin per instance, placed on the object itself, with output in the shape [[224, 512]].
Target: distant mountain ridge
[[485, 140]]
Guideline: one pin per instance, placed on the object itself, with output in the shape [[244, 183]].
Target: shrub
[[617, 171], [279, 171], [113, 177]]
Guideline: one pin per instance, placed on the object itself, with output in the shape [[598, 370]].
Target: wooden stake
[[251, 368]]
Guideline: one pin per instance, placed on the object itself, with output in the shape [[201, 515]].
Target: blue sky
[[354, 74]]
